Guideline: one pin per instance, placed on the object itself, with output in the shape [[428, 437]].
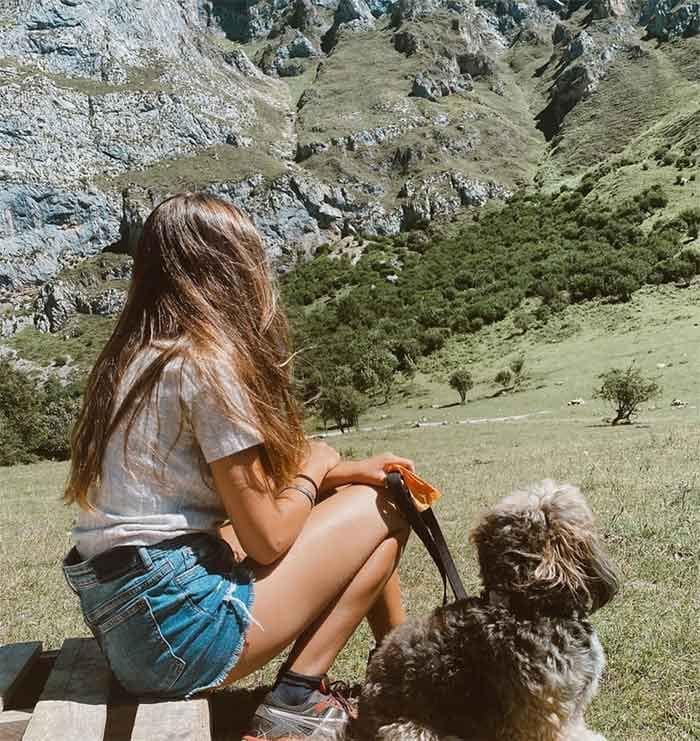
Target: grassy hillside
[[641, 481]]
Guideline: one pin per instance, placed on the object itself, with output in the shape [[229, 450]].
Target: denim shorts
[[170, 618]]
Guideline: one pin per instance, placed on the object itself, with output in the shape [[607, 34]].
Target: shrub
[[691, 216], [626, 390], [432, 339], [517, 368], [668, 159], [343, 405], [461, 381], [553, 246], [503, 378], [35, 419], [522, 321]]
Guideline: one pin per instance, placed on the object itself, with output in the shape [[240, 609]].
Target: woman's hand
[[369, 471]]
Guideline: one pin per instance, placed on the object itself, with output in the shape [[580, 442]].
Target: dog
[[519, 663]]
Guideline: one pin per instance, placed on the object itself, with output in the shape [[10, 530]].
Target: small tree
[[691, 216], [461, 381], [517, 368], [625, 390], [344, 405], [503, 378]]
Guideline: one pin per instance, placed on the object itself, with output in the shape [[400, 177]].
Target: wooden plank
[[164, 720], [13, 723], [177, 720], [73, 705], [15, 661]]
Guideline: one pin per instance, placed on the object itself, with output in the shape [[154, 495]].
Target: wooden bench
[[80, 701]]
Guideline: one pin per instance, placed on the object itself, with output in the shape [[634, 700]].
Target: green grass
[[639, 105], [139, 78], [641, 481], [218, 163], [82, 338]]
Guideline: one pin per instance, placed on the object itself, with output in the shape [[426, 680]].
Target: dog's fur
[[519, 663]]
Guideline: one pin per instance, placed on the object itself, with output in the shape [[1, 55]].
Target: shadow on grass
[[608, 426]]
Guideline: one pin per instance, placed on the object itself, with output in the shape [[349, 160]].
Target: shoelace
[[342, 694]]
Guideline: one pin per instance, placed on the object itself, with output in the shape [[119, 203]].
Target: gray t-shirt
[[162, 487]]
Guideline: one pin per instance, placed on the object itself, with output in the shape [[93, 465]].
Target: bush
[[626, 390], [691, 216], [461, 381], [522, 321], [517, 368], [343, 405], [432, 340], [35, 419], [503, 378], [557, 247]]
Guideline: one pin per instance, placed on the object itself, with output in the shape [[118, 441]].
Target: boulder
[[56, 303], [435, 84], [406, 42], [476, 64], [353, 10], [301, 47], [409, 10], [351, 16]]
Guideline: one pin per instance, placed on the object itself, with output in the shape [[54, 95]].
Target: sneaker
[[325, 713]]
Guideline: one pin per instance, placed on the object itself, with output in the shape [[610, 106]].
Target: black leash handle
[[427, 528]]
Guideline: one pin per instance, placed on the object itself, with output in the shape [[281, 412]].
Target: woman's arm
[[368, 471], [266, 521]]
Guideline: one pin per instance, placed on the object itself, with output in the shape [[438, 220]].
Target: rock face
[[342, 117], [665, 19], [39, 224]]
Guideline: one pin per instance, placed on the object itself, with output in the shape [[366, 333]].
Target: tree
[[35, 419], [517, 368], [691, 216], [461, 381], [625, 390], [342, 404]]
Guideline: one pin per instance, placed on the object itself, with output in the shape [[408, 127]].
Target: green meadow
[[642, 481]]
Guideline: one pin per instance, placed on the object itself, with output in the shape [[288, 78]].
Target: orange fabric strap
[[424, 494]]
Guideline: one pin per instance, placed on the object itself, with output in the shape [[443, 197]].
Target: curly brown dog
[[519, 663]]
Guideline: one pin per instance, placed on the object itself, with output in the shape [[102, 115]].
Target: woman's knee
[[369, 503]]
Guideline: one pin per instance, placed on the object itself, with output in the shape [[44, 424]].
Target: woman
[[189, 420]]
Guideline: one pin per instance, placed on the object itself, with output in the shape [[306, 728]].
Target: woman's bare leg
[[317, 647], [388, 610], [329, 579]]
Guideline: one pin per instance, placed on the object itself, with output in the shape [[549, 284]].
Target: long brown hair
[[201, 291]]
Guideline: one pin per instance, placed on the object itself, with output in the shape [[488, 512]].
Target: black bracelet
[[301, 490], [309, 479]]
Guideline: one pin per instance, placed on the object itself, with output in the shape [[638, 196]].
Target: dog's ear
[[603, 583], [540, 543], [574, 561]]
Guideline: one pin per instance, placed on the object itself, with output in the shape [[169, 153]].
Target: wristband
[[310, 480], [302, 490]]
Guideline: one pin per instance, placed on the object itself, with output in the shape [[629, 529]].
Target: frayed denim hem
[[246, 618]]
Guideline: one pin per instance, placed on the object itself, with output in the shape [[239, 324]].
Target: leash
[[427, 528]]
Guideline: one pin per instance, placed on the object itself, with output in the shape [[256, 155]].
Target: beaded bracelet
[[301, 490], [310, 480]]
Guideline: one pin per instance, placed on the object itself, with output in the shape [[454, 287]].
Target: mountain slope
[[323, 119]]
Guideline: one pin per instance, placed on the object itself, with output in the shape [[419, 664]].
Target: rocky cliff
[[322, 118]]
